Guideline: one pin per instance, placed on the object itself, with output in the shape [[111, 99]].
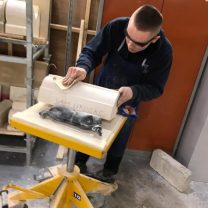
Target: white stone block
[[20, 94], [16, 18], [171, 170], [81, 97], [19, 105]]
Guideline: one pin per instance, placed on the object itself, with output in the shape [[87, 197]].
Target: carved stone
[[81, 97]]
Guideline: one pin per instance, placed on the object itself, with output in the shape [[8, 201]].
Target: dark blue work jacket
[[146, 72]]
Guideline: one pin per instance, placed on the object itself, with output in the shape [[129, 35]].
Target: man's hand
[[74, 73], [125, 95]]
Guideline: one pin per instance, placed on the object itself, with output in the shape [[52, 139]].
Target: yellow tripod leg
[[42, 190], [96, 186], [60, 198], [78, 196], [70, 193]]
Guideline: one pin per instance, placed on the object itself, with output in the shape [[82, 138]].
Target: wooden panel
[[3, 48], [58, 38], [58, 48], [59, 12], [186, 26]]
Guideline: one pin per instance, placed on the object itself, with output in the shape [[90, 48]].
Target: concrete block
[[171, 170], [5, 106]]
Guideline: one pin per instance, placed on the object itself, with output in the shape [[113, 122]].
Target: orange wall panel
[[185, 24], [118, 8]]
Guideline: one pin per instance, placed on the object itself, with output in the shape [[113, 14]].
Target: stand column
[[71, 154]]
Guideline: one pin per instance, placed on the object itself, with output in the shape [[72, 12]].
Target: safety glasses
[[136, 42]]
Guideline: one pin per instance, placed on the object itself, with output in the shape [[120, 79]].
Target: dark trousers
[[116, 151]]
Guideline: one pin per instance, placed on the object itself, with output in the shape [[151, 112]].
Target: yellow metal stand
[[67, 188], [64, 190]]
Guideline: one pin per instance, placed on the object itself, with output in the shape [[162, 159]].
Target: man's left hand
[[125, 95]]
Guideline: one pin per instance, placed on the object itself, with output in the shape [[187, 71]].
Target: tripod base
[[64, 190]]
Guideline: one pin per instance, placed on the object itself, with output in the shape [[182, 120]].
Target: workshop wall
[[58, 37], [185, 24]]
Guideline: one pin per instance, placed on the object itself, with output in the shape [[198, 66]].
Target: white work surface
[[70, 136]]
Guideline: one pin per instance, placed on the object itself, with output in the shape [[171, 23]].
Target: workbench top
[[85, 141]]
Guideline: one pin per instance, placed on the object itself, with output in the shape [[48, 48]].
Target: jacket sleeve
[[152, 84], [96, 48]]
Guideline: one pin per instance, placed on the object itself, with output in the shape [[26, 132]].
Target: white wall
[[193, 147]]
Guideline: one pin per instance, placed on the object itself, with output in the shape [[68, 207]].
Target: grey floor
[[139, 186]]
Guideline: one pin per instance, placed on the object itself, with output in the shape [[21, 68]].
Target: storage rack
[[33, 52]]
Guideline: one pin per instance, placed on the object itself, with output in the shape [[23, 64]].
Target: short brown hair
[[148, 18]]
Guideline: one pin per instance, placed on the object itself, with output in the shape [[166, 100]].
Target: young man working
[[136, 59]]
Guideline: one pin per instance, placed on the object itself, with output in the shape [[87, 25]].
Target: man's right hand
[[74, 73]]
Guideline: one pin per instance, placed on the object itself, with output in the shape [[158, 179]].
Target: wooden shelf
[[5, 131]]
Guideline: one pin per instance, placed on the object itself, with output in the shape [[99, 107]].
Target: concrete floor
[[139, 185]]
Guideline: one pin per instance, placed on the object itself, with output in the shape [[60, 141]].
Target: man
[[136, 59]]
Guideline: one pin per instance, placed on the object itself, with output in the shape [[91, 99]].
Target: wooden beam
[[74, 29], [81, 38], [10, 37], [62, 151], [87, 17]]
